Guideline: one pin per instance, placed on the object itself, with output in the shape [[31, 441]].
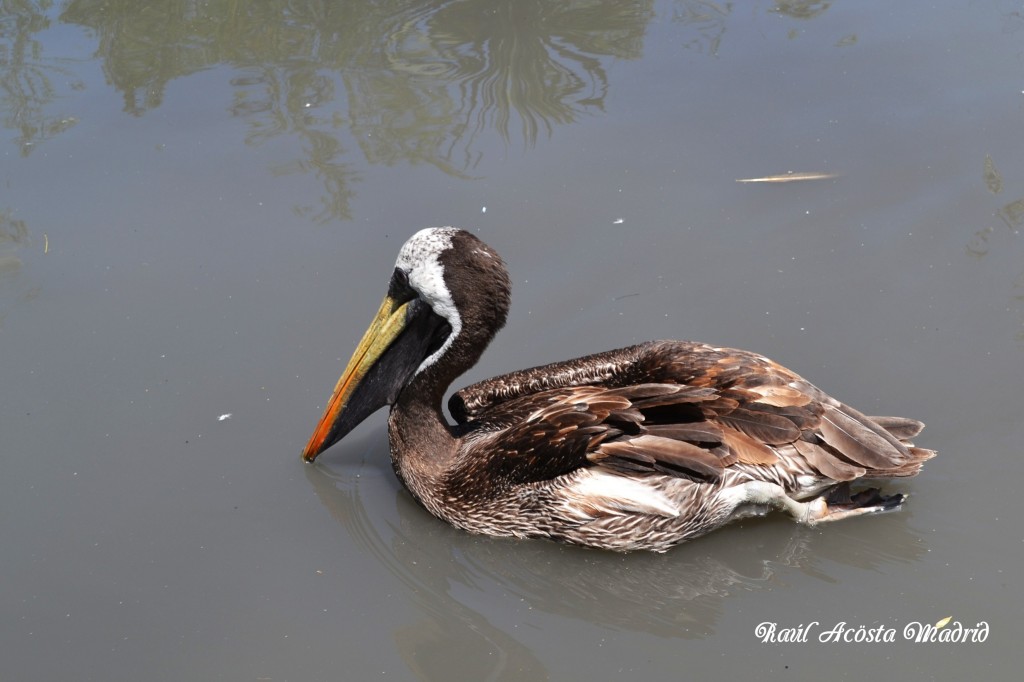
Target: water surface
[[200, 204]]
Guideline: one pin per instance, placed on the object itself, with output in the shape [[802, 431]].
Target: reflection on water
[[276, 100], [29, 79], [13, 233], [410, 81], [13, 237], [1012, 216], [801, 9], [993, 179], [470, 66], [675, 595], [704, 21], [403, 81], [450, 634]]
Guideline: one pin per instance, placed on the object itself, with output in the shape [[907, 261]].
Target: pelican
[[640, 448]]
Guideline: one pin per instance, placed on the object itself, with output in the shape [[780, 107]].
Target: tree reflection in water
[[409, 81], [404, 81]]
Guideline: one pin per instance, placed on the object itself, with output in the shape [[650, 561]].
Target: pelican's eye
[[399, 290]]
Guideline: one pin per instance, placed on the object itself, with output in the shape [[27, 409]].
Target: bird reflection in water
[[679, 595]]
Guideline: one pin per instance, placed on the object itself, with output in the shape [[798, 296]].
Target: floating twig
[[790, 177]]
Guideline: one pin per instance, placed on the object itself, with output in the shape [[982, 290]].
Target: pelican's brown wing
[[547, 434], [676, 408]]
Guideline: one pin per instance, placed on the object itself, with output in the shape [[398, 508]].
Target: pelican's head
[[448, 296]]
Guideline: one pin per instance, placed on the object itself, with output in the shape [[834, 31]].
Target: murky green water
[[200, 204]]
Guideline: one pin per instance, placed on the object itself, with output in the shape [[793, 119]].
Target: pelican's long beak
[[386, 326], [392, 348]]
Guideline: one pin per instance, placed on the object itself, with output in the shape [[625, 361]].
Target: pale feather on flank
[[596, 493]]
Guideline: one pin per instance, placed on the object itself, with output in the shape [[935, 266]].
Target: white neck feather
[[420, 260]]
